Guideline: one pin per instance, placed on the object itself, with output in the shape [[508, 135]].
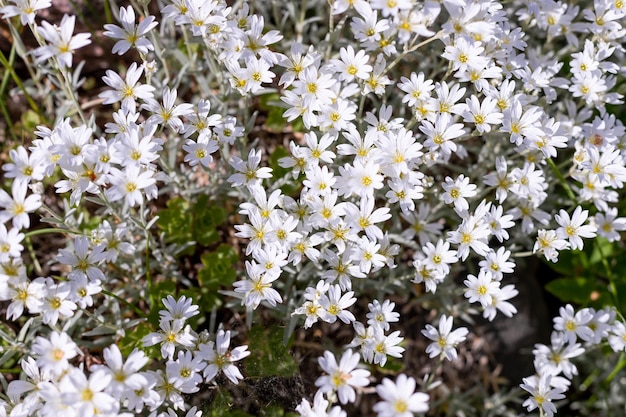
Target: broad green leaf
[[578, 290]]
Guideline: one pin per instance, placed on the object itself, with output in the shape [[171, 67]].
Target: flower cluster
[[574, 332], [405, 177], [55, 386]]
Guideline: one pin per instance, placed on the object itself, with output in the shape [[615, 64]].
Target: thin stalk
[[67, 83], [46, 231], [561, 179], [411, 49], [3, 86], [620, 365], [5, 63], [609, 272], [33, 256], [125, 302], [331, 23], [192, 62]]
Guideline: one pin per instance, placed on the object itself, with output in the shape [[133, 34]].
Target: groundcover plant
[[310, 208]]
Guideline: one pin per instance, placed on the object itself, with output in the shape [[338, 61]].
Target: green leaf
[[602, 248], [275, 120], [578, 290], [217, 272], [571, 262], [205, 219], [175, 221], [269, 356]]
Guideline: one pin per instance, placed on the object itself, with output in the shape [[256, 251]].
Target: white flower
[[542, 394], [465, 55], [168, 112], [131, 35], [248, 172], [444, 339], [399, 398], [184, 372], [124, 376], [17, 206], [555, 358], [382, 345], [574, 324], [609, 225], [439, 257], [441, 133], [481, 288], [171, 334], [499, 302], [549, 244], [335, 305], [126, 90], [258, 287], [456, 191], [617, 337], [61, 43], [572, 228], [25, 294], [180, 309], [416, 88], [26, 9], [10, 246], [86, 395], [382, 314], [220, 359], [342, 378], [53, 353], [129, 183], [351, 65], [83, 259], [498, 263], [320, 405], [24, 167]]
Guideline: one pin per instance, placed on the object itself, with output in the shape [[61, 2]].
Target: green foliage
[[183, 222], [217, 272], [269, 355], [30, 120], [175, 221], [158, 291], [222, 406], [132, 340], [579, 290], [275, 121], [592, 277], [279, 172]]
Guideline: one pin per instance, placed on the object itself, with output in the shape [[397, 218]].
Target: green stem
[[411, 49], [3, 86], [7, 66], [33, 255], [561, 179], [620, 365], [609, 273], [37, 232], [126, 302]]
